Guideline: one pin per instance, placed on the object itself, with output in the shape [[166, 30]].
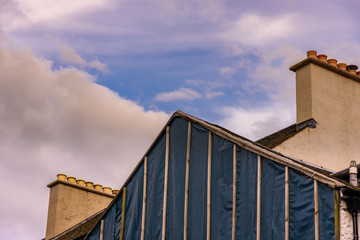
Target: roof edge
[[50, 185], [332, 68], [278, 137]]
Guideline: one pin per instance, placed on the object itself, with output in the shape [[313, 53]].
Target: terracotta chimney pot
[[332, 61], [342, 66], [97, 187], [311, 53], [115, 191], [61, 177], [71, 179], [107, 190], [322, 57], [80, 182], [89, 184], [352, 69]]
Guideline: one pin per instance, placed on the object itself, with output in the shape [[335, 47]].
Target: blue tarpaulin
[[155, 190], [109, 224], [221, 188], [272, 221], [246, 192], [326, 212], [176, 179], [133, 205], [272, 205], [301, 206], [198, 183]]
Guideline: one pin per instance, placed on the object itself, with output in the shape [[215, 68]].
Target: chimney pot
[[115, 191], [342, 66], [98, 187], [89, 184], [353, 173], [332, 61], [61, 177], [107, 190], [322, 57], [311, 53], [80, 182], [352, 69], [71, 179]]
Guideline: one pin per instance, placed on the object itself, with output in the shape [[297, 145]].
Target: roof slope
[[313, 171], [282, 135]]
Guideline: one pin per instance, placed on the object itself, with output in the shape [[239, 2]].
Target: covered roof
[[261, 147], [79, 231], [282, 135]]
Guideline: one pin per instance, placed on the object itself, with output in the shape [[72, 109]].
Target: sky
[[86, 85]]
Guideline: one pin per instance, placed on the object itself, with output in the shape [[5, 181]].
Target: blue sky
[[89, 80]]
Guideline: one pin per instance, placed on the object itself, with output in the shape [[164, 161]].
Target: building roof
[[261, 147], [282, 135], [79, 231]]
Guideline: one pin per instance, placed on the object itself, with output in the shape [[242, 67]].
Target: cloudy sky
[[86, 85]]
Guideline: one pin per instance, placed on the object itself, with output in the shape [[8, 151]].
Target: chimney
[[72, 202], [324, 85]]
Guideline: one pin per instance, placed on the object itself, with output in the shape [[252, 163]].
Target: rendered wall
[[333, 101], [70, 205], [255, 207]]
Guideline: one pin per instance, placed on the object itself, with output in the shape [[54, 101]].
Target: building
[[201, 181]]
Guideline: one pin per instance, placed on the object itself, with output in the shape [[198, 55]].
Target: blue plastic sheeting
[[133, 205], [221, 188], [301, 206], [118, 206], [246, 192], [109, 224], [155, 190], [197, 183], [272, 220], [95, 234], [326, 199], [176, 179]]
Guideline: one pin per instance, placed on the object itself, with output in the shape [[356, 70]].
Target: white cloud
[[180, 94], [68, 55], [227, 71], [36, 11], [210, 95], [257, 30], [98, 66], [56, 121], [258, 122]]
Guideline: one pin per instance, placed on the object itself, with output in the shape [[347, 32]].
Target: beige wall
[[69, 205], [333, 101]]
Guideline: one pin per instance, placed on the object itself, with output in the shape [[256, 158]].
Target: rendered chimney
[[71, 203]]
